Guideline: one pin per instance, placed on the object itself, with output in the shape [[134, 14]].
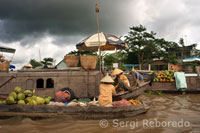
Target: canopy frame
[[8, 50]]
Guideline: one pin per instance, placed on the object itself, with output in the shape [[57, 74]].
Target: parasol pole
[[97, 20]]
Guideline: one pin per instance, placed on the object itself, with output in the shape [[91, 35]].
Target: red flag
[[97, 8]]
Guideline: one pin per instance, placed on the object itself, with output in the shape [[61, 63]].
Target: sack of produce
[[72, 104], [122, 102], [61, 96]]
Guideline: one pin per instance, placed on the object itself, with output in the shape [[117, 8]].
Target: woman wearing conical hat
[[122, 80], [106, 90]]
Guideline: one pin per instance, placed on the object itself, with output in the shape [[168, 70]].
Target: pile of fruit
[[135, 102], [164, 76], [18, 96], [124, 102]]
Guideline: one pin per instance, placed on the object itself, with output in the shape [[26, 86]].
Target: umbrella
[[6, 49], [106, 42], [192, 59]]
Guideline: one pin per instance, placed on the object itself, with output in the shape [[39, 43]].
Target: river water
[[169, 113]]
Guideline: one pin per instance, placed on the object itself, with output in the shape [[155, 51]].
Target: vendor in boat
[[137, 74], [122, 82], [107, 90]]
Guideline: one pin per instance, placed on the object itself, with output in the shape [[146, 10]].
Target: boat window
[[40, 83], [50, 83]]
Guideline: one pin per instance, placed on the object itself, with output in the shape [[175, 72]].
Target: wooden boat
[[140, 87], [77, 112], [89, 112], [133, 94], [84, 84]]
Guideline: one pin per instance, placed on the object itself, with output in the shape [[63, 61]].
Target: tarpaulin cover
[[181, 83]]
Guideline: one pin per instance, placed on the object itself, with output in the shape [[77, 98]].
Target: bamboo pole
[[97, 20]]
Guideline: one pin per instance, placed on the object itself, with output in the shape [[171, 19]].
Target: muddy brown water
[[170, 113]]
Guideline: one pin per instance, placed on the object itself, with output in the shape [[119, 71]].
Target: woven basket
[[4, 67], [88, 62], [71, 60]]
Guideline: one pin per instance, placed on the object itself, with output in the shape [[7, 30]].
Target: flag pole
[[97, 20]]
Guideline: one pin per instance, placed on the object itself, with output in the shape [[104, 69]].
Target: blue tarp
[[191, 59], [180, 79], [130, 65], [12, 66]]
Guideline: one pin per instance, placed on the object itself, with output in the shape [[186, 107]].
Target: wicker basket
[[88, 62], [71, 60], [4, 67]]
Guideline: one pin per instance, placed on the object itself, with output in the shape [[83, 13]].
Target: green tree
[[181, 42], [173, 59], [141, 43], [163, 48], [35, 63], [108, 60], [143, 46], [47, 62]]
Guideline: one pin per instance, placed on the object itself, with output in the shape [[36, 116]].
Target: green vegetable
[[47, 100], [28, 93], [28, 99], [13, 94], [21, 102], [10, 100], [18, 89], [32, 102], [20, 96], [40, 100], [4, 102]]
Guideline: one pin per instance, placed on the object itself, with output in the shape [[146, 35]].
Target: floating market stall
[[27, 104], [165, 81]]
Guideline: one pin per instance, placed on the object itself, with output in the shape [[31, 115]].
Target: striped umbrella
[[106, 42]]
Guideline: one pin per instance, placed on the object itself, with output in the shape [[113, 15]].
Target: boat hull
[[77, 112]]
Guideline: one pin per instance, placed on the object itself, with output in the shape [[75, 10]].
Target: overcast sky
[[56, 26]]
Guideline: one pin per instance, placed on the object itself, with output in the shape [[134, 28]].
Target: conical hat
[[116, 71], [107, 79], [28, 65]]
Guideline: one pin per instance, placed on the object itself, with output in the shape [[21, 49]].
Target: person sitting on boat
[[122, 82], [107, 90], [140, 79], [137, 75]]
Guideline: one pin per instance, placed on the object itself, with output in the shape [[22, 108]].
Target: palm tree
[[47, 62], [181, 42]]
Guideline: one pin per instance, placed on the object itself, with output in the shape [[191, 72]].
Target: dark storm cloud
[[68, 21], [22, 18]]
